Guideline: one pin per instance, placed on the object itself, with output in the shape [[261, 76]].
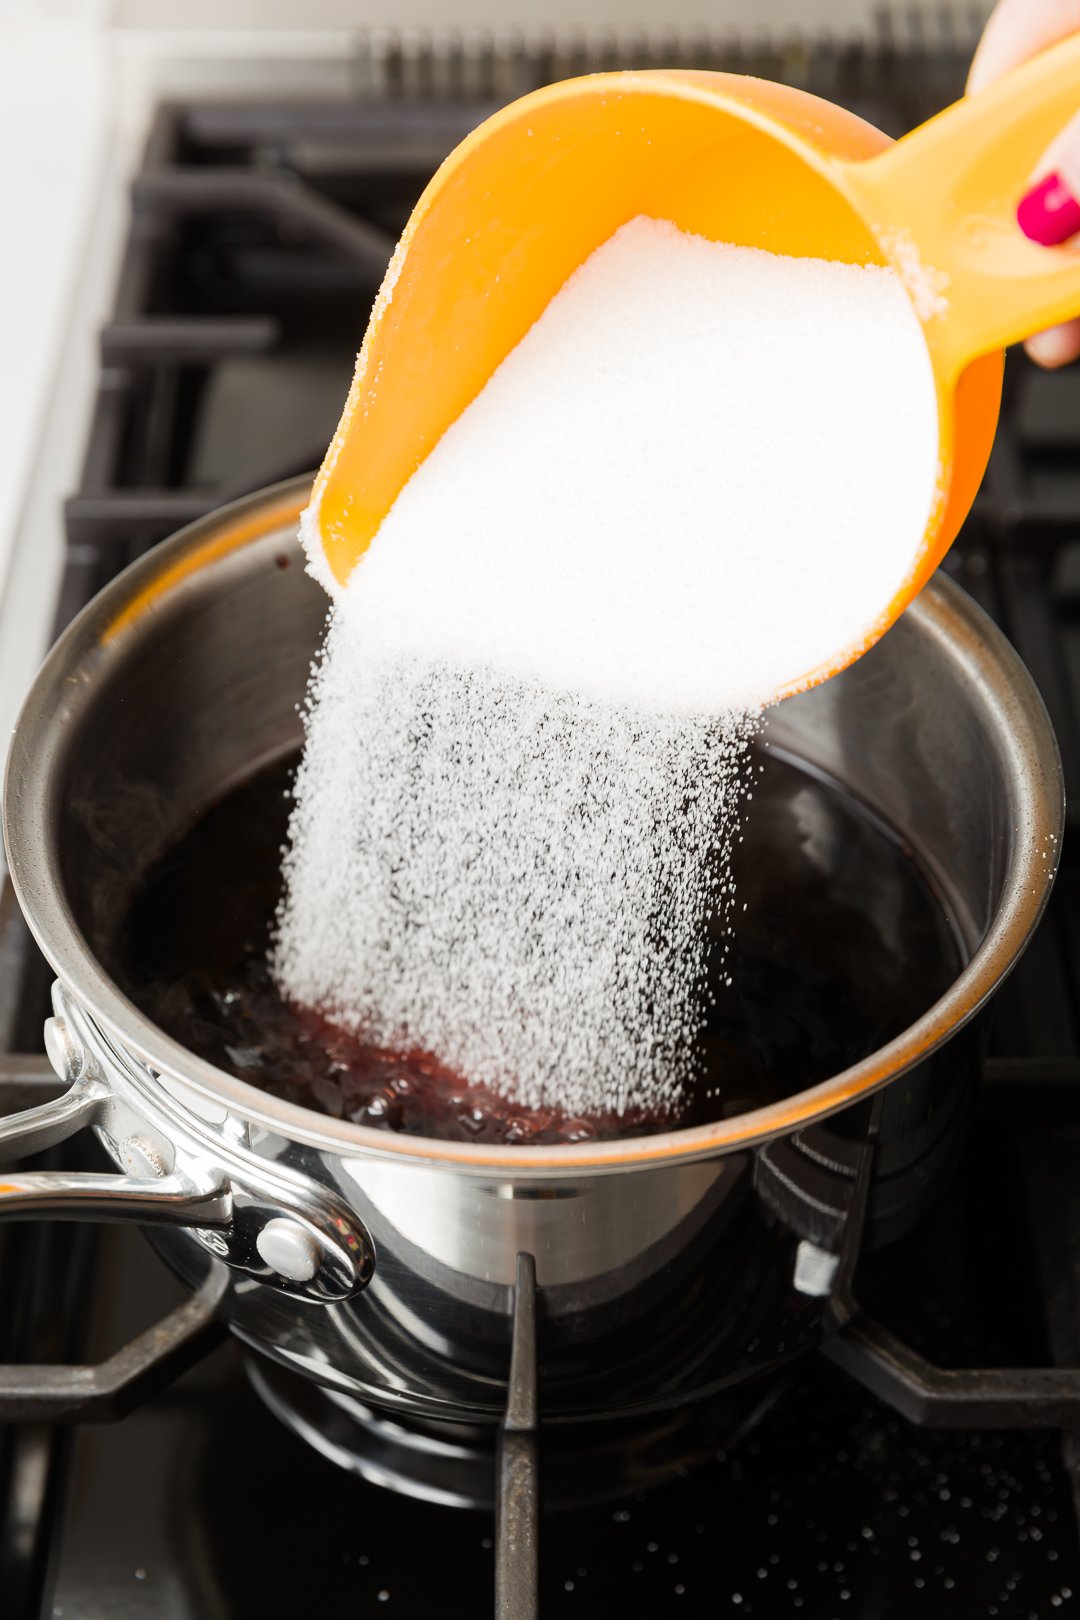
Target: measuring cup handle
[[942, 203]]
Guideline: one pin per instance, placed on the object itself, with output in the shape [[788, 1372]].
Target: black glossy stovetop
[[259, 234]]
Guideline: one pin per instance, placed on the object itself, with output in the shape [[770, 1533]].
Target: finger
[[1058, 347], [1016, 30], [1062, 156], [1049, 211]]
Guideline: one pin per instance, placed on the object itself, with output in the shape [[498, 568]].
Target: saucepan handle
[[37, 1110], [172, 1200], [282, 1228], [43, 1112], [66, 1195]]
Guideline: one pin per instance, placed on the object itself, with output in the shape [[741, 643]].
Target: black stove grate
[[259, 235]]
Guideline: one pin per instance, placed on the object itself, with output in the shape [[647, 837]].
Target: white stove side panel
[[60, 183]]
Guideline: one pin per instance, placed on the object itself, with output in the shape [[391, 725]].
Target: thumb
[[1049, 213]]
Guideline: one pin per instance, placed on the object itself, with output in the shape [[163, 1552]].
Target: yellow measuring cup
[[533, 191]]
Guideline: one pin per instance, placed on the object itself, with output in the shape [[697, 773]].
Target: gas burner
[[455, 1464]]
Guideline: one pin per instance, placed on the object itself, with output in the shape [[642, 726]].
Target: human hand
[[1049, 212]]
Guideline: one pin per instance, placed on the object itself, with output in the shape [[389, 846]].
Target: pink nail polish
[[1049, 213]]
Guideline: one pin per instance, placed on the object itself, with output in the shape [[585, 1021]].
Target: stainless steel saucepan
[[668, 1266]]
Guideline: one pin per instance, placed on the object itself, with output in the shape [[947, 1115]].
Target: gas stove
[[927, 1460]]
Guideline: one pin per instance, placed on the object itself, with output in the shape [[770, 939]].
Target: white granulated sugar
[[704, 472], [511, 879]]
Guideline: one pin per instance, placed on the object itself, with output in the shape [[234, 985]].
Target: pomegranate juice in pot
[[841, 942]]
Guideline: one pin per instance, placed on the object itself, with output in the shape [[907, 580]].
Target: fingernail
[[1049, 213]]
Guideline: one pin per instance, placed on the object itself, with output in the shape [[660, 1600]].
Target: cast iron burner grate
[[259, 234]]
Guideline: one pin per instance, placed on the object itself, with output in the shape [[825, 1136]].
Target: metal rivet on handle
[[289, 1249], [61, 1051], [140, 1158]]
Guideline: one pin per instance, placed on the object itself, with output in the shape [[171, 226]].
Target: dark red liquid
[[842, 943]]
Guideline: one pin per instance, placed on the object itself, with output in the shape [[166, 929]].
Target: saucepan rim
[[98, 633]]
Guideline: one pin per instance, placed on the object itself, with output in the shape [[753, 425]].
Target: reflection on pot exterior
[[655, 1286], [577, 1233]]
